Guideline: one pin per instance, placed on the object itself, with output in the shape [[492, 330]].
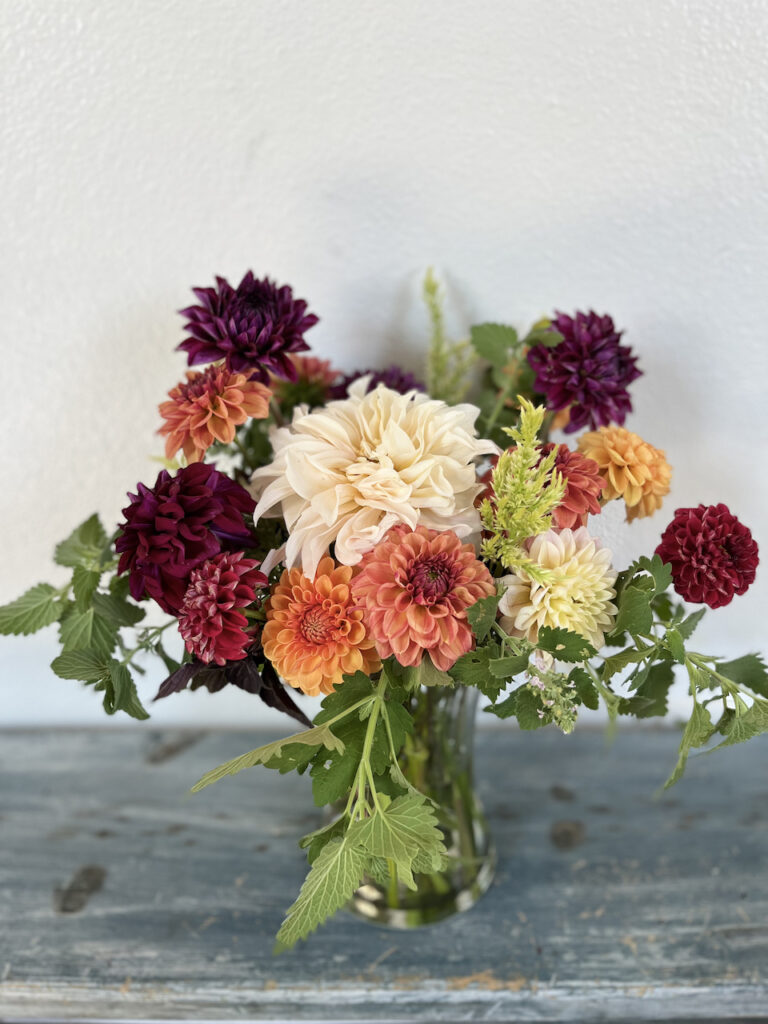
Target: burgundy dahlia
[[712, 555], [588, 372], [213, 627], [254, 327], [393, 377], [176, 525]]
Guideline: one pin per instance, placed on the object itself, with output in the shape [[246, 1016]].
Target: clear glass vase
[[438, 760]]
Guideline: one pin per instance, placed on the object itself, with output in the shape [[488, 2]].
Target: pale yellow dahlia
[[633, 469], [347, 473], [576, 595]]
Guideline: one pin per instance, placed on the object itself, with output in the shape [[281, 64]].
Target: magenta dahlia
[[210, 620], [173, 527], [254, 327], [712, 555], [588, 372]]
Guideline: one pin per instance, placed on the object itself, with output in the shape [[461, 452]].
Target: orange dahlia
[[208, 408], [416, 586], [314, 633], [633, 469]]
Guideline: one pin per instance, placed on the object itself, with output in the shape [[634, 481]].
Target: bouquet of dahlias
[[370, 539]]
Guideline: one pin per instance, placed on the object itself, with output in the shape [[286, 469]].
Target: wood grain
[[123, 897]]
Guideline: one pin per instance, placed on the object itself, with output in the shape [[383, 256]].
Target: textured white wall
[[567, 154]]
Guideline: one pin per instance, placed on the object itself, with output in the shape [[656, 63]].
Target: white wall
[[548, 154]]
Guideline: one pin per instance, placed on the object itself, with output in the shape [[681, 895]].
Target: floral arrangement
[[368, 538]]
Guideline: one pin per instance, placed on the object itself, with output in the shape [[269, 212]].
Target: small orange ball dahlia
[[208, 408], [416, 586], [632, 468], [314, 634]]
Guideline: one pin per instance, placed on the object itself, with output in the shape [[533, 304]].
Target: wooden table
[[123, 898]]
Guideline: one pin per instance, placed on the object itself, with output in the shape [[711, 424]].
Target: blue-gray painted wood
[[123, 898]]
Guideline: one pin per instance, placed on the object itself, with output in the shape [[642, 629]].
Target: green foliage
[[87, 666], [564, 645], [585, 688], [38, 607], [749, 671], [481, 616], [526, 492], [448, 363], [650, 696], [689, 624], [87, 547], [120, 692], [696, 733], [495, 343], [745, 724], [80, 630], [474, 669], [117, 609], [635, 615], [405, 832], [94, 666]]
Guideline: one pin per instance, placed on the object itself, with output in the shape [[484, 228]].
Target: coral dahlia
[[712, 555], [576, 593], [209, 407], [415, 587], [314, 633], [632, 468], [346, 473], [588, 371], [213, 627], [176, 525], [254, 327]]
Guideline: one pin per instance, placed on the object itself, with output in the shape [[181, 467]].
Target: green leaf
[[523, 704], [749, 723], [319, 736], [431, 675], [564, 645], [507, 668], [38, 607], [400, 722], [635, 614], [80, 630], [351, 690], [474, 669], [333, 772], [86, 546], [650, 697], [749, 671], [482, 615], [674, 644], [696, 733], [117, 609], [331, 882], [315, 841], [585, 688], [120, 692], [543, 336], [618, 662], [406, 828], [84, 583], [687, 626], [88, 666], [493, 342]]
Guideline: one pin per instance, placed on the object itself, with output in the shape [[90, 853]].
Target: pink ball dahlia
[[712, 555], [210, 622], [415, 588]]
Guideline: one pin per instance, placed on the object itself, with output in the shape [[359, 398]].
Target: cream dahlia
[[576, 595], [347, 473], [314, 634], [415, 587]]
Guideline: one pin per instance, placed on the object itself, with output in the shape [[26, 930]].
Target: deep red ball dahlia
[[712, 555], [176, 525], [209, 620], [587, 373], [254, 327]]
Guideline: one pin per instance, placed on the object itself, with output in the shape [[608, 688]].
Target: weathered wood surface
[[608, 904]]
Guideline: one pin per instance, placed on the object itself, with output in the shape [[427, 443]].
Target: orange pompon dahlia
[[633, 469], [314, 633], [208, 408], [416, 586]]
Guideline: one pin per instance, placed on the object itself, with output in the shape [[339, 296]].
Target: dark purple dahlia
[[254, 327], [177, 525], [393, 377], [588, 372]]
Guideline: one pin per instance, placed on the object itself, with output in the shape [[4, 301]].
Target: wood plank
[[608, 903]]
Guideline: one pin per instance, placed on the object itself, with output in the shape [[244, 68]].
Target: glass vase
[[438, 760]]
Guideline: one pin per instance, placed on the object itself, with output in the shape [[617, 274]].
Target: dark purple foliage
[[254, 327], [175, 526], [588, 371], [393, 377]]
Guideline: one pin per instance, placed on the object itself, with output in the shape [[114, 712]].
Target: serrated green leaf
[[696, 733], [585, 688], [508, 667], [687, 626], [117, 609], [564, 645], [319, 736], [473, 669], [120, 692], [650, 697], [618, 662], [86, 546], [293, 757], [481, 616], [543, 336], [314, 842], [406, 828], [88, 666], [400, 722], [523, 704], [38, 607], [333, 772], [635, 615], [84, 583], [749, 671], [80, 630], [351, 690], [430, 675], [749, 723], [331, 882], [494, 342], [674, 644]]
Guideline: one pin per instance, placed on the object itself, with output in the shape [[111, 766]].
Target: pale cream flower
[[577, 594], [346, 473]]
